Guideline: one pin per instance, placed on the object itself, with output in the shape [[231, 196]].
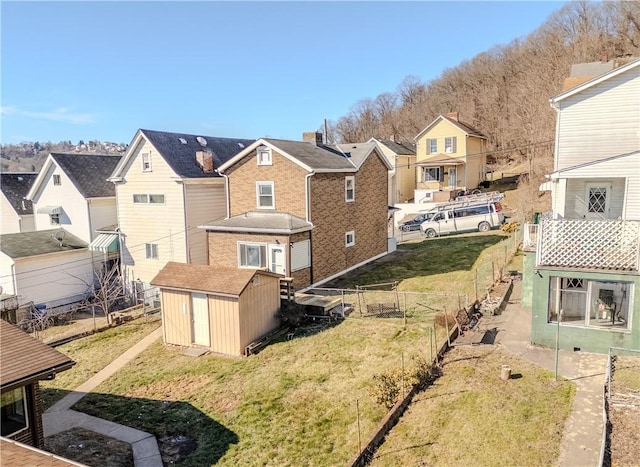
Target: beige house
[[166, 185], [402, 177], [303, 209], [221, 309], [450, 156], [16, 212]]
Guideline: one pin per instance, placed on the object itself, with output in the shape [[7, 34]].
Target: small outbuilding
[[222, 309]]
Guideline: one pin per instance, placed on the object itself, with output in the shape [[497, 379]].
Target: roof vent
[[183, 141], [201, 141], [20, 179], [241, 145]]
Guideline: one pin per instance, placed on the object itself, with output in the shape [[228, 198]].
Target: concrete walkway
[[582, 438], [59, 417]]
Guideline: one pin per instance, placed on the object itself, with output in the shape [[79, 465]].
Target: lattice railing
[[594, 244]]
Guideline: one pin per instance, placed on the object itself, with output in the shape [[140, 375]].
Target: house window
[[264, 156], [146, 162], [148, 199], [597, 200], [450, 144], [264, 194], [151, 250], [583, 302], [349, 188], [350, 238], [55, 219], [431, 174], [252, 255], [56, 180], [432, 145], [14, 411]]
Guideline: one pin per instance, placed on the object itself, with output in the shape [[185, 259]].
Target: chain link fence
[[621, 407]]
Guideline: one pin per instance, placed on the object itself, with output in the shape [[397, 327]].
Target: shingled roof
[[15, 186], [39, 242], [179, 150], [25, 359], [316, 157], [261, 221], [89, 172], [401, 148], [205, 278]]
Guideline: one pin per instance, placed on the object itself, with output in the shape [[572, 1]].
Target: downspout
[[186, 225], [226, 189], [307, 192], [15, 279]]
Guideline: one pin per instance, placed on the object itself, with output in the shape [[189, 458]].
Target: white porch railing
[[592, 244]]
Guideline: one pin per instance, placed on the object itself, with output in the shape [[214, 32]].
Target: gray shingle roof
[[318, 157], [261, 221], [15, 187], [181, 157], [357, 151], [89, 172], [464, 127], [40, 242], [400, 148]]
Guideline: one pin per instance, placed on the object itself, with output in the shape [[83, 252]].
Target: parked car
[[482, 217], [414, 224]]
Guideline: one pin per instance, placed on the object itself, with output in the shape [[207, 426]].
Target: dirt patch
[[174, 449], [90, 448]]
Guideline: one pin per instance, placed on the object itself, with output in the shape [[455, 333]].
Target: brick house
[[25, 362], [302, 209]]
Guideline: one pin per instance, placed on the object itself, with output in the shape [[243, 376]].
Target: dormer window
[[56, 180], [264, 156], [146, 162]]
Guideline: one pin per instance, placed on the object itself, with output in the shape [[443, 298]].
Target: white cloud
[[61, 114]]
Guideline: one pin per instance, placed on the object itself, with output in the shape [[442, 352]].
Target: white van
[[480, 217]]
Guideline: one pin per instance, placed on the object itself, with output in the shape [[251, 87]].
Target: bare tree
[[107, 288]]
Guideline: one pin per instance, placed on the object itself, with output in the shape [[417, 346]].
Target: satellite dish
[[201, 141], [59, 236]]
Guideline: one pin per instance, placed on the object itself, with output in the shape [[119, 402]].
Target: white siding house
[[16, 212], [166, 185], [582, 262], [50, 267], [72, 191]]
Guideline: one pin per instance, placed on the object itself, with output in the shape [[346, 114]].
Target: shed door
[[200, 319]]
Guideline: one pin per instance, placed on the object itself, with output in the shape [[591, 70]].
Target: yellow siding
[[259, 305], [405, 178], [204, 203], [162, 224], [440, 131], [223, 319], [176, 317]]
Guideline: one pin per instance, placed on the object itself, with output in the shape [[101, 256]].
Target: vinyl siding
[[405, 179], [103, 213], [9, 220], [162, 224], [225, 325], [440, 131], [54, 279], [176, 317], [600, 121], [204, 203], [74, 217]]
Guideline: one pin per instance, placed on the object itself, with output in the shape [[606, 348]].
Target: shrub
[[388, 385], [509, 227]]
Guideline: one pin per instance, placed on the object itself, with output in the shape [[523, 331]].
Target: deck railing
[[591, 244]]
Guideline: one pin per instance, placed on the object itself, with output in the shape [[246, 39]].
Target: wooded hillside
[[505, 91]]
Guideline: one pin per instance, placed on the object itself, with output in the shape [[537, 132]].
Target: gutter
[[48, 373]]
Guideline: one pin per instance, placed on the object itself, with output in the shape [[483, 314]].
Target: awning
[[105, 243], [50, 210]]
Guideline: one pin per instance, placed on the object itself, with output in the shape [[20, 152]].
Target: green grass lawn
[[92, 354], [295, 402]]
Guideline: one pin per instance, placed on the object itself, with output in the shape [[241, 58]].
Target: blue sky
[[101, 70]]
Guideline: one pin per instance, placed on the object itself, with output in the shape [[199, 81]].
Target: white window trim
[[25, 407], [429, 151], [263, 251], [450, 149], [273, 195], [56, 217], [351, 233], [426, 170], [147, 199], [147, 156], [263, 150], [353, 189], [57, 180], [149, 248]]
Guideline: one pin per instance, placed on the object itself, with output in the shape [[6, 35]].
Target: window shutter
[[453, 145], [442, 174]]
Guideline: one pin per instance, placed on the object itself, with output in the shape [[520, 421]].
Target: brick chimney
[[312, 137], [205, 160], [454, 115]]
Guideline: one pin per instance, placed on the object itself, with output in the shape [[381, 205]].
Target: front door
[[452, 177], [597, 200], [276, 259], [200, 319]]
